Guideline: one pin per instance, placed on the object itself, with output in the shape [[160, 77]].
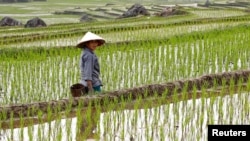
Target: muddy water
[[183, 120]]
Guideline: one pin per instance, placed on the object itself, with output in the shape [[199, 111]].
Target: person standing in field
[[89, 65], [90, 72]]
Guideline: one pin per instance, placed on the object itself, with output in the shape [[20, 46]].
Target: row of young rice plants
[[181, 57], [201, 13], [117, 35], [93, 25], [129, 65], [153, 123], [186, 120], [177, 119], [44, 77], [217, 13], [39, 37]]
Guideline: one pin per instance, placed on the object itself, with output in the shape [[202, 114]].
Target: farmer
[[89, 65], [90, 71]]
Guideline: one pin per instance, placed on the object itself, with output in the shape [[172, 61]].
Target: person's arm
[[88, 71], [90, 86]]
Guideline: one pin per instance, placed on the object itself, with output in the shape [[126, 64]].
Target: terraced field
[[163, 76]]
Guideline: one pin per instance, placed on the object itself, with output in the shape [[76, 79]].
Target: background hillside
[[71, 11]]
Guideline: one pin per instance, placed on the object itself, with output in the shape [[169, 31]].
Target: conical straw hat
[[88, 37]]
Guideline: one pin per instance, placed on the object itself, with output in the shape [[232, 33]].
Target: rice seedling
[[138, 52]]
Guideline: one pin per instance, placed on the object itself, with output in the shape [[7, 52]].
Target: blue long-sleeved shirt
[[90, 69]]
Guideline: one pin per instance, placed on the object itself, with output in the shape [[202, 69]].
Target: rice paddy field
[[38, 65]]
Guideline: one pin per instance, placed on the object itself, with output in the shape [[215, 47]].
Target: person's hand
[[90, 87], [91, 91]]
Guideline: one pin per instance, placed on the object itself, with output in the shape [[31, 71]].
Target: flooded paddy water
[[171, 111], [145, 119], [136, 35], [153, 118], [145, 67]]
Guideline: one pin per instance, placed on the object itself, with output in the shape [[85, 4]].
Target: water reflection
[[184, 120]]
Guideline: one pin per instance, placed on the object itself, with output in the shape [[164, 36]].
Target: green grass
[[138, 51], [46, 10], [160, 69]]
